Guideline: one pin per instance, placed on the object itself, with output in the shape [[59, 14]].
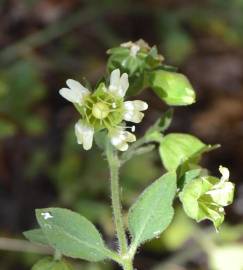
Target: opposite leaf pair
[[74, 236]]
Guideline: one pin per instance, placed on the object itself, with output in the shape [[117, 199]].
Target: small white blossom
[[75, 93], [133, 110], [120, 138], [104, 108], [84, 134]]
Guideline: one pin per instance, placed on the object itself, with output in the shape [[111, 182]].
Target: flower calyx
[[205, 197]]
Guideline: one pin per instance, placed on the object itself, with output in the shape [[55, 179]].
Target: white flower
[[118, 84], [133, 110], [84, 134], [120, 138], [104, 108], [75, 93]]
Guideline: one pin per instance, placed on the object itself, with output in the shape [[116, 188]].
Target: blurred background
[[44, 42]]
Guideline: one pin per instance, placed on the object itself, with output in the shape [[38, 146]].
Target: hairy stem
[[128, 265], [114, 165]]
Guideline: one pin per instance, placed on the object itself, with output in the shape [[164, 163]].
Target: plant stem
[[128, 265], [114, 165]]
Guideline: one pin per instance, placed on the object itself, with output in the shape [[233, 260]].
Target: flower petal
[[115, 79], [136, 105], [75, 93], [124, 84], [69, 95], [76, 86], [133, 110], [120, 138], [118, 85], [225, 173], [84, 134], [133, 116]]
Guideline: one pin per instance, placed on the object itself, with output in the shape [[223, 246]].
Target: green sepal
[[100, 138], [188, 176], [173, 88], [205, 198]]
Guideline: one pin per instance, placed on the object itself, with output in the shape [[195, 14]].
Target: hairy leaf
[[71, 234], [177, 148], [152, 212], [36, 236]]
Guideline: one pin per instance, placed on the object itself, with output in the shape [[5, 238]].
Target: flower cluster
[[104, 108]]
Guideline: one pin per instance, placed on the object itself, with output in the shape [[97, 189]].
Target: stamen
[[103, 101], [132, 128], [86, 105]]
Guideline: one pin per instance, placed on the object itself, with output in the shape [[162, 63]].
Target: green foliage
[[36, 236], [202, 196], [173, 88], [71, 234], [152, 212], [178, 148], [49, 264]]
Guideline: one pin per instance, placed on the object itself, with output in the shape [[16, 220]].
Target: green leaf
[[49, 264], [36, 236], [176, 148], [152, 212], [71, 234], [174, 88]]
